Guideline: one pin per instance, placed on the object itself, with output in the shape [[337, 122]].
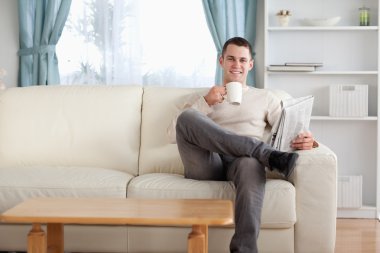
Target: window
[[146, 42]]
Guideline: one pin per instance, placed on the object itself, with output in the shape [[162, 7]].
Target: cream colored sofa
[[110, 141]]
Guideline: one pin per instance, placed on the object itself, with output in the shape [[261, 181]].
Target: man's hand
[[303, 141], [215, 95]]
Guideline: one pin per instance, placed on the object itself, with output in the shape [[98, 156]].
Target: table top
[[117, 211]]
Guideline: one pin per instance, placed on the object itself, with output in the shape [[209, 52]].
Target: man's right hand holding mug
[[215, 95]]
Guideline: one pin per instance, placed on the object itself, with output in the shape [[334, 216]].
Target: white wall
[[9, 42]]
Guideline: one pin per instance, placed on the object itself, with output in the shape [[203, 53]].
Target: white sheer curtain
[[145, 42]]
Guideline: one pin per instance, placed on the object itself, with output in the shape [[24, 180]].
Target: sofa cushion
[[279, 209], [160, 105], [89, 126], [18, 184]]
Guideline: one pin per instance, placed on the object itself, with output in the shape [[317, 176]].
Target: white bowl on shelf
[[321, 21]]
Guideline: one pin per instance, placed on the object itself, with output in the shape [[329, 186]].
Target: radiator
[[350, 191]]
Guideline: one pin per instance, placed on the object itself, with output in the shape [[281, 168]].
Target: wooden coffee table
[[55, 212]]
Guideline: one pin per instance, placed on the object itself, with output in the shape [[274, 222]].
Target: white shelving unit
[[350, 55]]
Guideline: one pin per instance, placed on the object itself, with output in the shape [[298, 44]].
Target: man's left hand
[[303, 141]]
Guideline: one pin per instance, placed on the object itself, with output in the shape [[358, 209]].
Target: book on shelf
[[284, 68], [315, 64]]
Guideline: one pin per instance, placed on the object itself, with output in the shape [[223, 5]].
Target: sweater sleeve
[[195, 101], [274, 109]]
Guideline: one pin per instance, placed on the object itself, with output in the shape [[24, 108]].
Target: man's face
[[236, 63]]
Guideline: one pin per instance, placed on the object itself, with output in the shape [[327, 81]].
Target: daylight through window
[[144, 42]]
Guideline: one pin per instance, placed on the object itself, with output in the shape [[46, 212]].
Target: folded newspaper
[[294, 119]]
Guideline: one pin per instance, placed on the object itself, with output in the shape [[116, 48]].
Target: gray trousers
[[209, 152]]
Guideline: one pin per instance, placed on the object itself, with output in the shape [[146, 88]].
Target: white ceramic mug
[[234, 92]]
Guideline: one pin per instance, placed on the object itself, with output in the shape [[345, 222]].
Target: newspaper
[[294, 119]]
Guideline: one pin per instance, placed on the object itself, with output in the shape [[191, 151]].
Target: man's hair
[[238, 41]]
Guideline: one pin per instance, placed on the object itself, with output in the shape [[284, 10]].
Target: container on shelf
[[283, 17], [364, 16], [350, 191], [348, 100], [283, 20]]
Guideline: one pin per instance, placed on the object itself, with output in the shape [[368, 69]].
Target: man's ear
[[221, 60], [251, 63]]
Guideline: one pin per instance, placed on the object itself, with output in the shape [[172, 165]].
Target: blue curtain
[[227, 19], [41, 23]]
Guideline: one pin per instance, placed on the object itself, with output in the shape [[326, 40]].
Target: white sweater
[[259, 107]]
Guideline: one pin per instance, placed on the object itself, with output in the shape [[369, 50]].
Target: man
[[220, 141]]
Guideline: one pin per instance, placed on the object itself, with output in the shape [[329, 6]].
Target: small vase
[[283, 20]]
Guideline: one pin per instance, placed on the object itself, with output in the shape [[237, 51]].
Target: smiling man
[[221, 141], [236, 61]]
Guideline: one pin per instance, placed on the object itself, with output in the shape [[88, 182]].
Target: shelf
[[323, 73], [370, 118], [324, 28], [350, 55]]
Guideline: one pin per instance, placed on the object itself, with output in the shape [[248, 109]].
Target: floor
[[357, 236]]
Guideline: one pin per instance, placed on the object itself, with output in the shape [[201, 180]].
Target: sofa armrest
[[315, 180]]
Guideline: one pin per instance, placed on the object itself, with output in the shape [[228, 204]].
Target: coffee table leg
[[197, 239], [55, 238], [204, 230], [36, 239]]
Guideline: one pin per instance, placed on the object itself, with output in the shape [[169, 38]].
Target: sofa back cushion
[[160, 105], [89, 126]]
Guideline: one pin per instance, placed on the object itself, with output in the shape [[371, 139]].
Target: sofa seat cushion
[[279, 209], [18, 184]]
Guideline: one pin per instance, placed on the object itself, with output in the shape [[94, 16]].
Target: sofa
[[110, 141]]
